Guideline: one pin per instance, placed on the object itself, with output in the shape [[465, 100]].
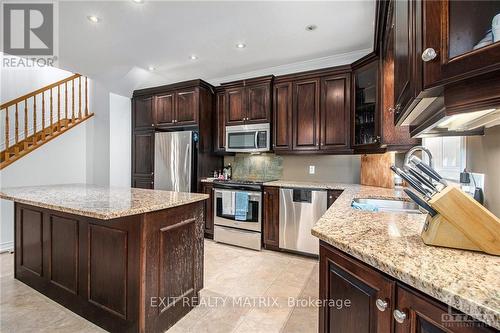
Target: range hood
[[462, 124]]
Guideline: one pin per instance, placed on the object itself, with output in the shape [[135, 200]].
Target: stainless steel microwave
[[248, 138]]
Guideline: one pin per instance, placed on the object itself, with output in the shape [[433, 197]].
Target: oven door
[[253, 218], [248, 138]]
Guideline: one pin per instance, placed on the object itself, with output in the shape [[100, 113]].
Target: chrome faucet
[[410, 152]]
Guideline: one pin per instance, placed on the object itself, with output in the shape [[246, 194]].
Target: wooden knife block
[[461, 223]]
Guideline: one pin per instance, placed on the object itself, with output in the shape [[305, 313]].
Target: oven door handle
[[256, 139]]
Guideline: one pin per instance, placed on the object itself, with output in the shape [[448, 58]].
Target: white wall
[[119, 141], [60, 161]]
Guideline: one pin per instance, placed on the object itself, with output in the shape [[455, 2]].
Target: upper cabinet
[[142, 114], [247, 101], [446, 63], [312, 112], [176, 108]]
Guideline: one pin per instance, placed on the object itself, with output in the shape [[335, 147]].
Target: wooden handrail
[[38, 91]]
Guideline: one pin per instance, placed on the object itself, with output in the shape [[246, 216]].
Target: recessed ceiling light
[[138, 1], [311, 27], [151, 68], [241, 45], [93, 18], [193, 57]]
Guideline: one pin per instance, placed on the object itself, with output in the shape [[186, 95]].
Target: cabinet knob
[[152, 125], [400, 316], [381, 304], [429, 54], [377, 138]]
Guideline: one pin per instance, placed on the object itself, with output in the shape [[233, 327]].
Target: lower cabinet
[[271, 217], [208, 188], [358, 298]]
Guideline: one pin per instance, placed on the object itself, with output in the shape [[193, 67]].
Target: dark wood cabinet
[[208, 188], [142, 115], [377, 302], [283, 115], [306, 114], [248, 101], [187, 108], [235, 110], [165, 109], [312, 112], [143, 182], [258, 103], [332, 196], [270, 217], [335, 112], [360, 289], [180, 106], [419, 313], [220, 123], [143, 153]]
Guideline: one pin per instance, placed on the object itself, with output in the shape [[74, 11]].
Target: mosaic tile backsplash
[[263, 167]]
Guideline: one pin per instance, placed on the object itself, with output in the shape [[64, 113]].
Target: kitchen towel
[[364, 206], [241, 206], [228, 203]]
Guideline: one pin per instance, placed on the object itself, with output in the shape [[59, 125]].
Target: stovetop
[[239, 181], [240, 184]]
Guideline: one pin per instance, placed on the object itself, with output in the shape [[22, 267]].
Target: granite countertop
[[466, 280], [98, 202]]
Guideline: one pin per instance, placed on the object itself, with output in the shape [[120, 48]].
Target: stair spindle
[[17, 124], [80, 97], [66, 102], [7, 155], [43, 115], [59, 107], [86, 98], [73, 101], [51, 113], [34, 121], [25, 123]]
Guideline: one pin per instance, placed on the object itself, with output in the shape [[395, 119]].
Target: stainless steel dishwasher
[[300, 209]]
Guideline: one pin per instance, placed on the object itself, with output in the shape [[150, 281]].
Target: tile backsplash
[[256, 167]]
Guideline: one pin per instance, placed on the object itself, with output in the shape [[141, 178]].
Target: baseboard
[[6, 247]]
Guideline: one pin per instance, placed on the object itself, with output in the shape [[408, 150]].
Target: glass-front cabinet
[[460, 38], [366, 116]]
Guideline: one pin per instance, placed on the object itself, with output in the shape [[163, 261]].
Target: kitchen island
[[129, 260]]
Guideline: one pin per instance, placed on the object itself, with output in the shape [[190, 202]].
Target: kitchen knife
[[419, 201], [412, 181], [412, 171], [428, 170]]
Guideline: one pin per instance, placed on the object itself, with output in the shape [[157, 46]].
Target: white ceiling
[[130, 37]]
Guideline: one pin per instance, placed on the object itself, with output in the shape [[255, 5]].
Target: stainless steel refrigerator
[[175, 166]]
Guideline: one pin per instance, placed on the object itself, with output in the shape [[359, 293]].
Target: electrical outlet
[[312, 169]]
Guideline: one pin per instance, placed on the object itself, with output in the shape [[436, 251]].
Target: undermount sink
[[387, 205]]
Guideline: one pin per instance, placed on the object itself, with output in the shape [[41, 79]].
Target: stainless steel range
[[238, 213]]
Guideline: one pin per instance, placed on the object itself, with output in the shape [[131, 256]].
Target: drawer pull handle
[[400, 316], [381, 304]]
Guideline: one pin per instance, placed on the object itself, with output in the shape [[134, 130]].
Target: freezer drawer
[[300, 209]]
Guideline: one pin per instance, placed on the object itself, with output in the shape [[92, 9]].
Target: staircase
[[45, 114]]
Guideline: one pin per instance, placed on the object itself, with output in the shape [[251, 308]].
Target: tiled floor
[[236, 280]]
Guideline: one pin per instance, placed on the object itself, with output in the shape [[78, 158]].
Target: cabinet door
[[143, 153], [403, 54], [235, 110], [424, 315], [220, 113], [335, 110], [209, 210], [146, 183], [258, 107], [306, 115], [165, 106], [186, 110], [271, 217], [332, 196], [358, 287], [142, 114], [282, 123]]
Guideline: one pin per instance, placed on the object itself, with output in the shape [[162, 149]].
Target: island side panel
[[88, 265], [173, 260]]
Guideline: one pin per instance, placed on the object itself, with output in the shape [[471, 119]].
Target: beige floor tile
[[231, 273]]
